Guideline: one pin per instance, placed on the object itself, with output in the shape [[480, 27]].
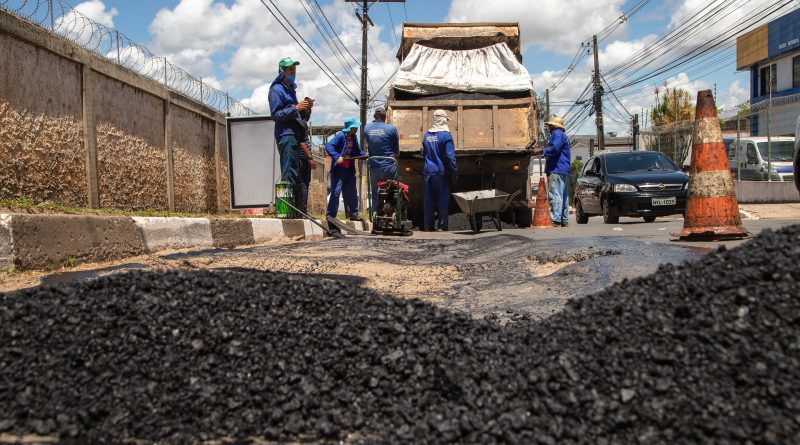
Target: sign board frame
[[253, 161]]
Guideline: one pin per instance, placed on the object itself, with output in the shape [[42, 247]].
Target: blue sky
[[234, 44]]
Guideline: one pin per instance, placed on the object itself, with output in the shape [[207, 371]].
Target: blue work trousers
[[436, 200], [289, 150], [304, 181], [558, 196], [377, 175], [343, 180]]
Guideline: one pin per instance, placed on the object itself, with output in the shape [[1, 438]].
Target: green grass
[[26, 203], [11, 271], [70, 263]]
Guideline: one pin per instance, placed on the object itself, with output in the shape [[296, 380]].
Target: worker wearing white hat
[[557, 165], [439, 152]]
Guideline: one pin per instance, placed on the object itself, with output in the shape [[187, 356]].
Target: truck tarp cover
[[484, 70]]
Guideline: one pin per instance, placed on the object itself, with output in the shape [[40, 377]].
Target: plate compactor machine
[[390, 217]]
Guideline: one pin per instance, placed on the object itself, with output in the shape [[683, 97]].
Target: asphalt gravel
[[705, 352]]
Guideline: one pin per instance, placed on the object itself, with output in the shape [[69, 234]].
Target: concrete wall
[[763, 191], [131, 157], [41, 149], [79, 130]]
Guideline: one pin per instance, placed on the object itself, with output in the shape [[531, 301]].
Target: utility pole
[[363, 17], [635, 132], [598, 98], [547, 104]]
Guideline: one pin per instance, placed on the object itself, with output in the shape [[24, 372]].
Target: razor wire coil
[[64, 21]]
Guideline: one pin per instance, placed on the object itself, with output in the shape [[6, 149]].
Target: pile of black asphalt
[[705, 352]]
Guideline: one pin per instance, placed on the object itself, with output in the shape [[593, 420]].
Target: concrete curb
[[51, 241], [174, 233]]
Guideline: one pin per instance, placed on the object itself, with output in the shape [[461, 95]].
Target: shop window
[[768, 82], [796, 72]]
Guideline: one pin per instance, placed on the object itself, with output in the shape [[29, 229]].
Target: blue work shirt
[[382, 140], [557, 153], [439, 152], [282, 102], [338, 144]]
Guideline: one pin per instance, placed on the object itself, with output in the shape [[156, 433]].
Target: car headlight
[[624, 188]]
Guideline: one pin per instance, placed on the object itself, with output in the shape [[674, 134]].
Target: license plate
[[665, 201]]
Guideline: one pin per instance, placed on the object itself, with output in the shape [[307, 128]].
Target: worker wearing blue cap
[[285, 111], [341, 148]]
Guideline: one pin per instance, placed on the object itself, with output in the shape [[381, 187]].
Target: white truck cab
[[752, 157]]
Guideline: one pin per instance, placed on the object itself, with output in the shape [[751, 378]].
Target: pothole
[[546, 269]]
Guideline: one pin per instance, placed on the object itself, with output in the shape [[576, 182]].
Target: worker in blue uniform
[[342, 147], [557, 169], [382, 140], [285, 111], [439, 152]]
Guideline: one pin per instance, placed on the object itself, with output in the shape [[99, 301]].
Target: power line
[[329, 73], [335, 33], [706, 58], [603, 34], [375, 96], [394, 30], [615, 96], [328, 41]]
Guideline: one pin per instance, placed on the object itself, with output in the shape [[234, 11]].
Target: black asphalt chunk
[[707, 352]]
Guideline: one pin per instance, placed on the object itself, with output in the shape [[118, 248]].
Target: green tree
[[673, 123]]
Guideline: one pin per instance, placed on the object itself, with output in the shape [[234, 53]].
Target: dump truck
[[473, 71]]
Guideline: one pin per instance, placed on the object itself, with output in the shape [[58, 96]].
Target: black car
[[636, 184]]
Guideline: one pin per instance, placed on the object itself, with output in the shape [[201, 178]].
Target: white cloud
[[733, 96], [555, 25], [619, 51], [196, 32], [73, 25], [213, 82], [96, 10]]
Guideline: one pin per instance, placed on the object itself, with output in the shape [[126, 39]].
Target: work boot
[[356, 219], [564, 224]]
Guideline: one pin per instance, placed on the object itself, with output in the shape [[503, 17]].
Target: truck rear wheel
[[524, 216]]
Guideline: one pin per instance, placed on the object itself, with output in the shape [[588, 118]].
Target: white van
[[750, 157], [537, 165]]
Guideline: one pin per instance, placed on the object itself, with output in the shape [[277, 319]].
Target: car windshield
[[782, 151], [638, 162]]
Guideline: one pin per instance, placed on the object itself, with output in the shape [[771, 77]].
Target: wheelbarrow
[[480, 204]]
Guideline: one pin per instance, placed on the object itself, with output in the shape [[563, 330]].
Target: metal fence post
[[165, 72], [738, 138], [118, 55], [201, 90], [52, 17]]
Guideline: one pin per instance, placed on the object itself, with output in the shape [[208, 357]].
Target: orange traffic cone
[[711, 208], [541, 216]]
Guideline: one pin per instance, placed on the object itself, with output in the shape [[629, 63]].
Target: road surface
[[517, 271]]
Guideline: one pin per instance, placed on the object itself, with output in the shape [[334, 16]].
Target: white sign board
[[253, 161]]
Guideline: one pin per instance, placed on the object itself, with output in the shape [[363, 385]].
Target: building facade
[[771, 53]]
